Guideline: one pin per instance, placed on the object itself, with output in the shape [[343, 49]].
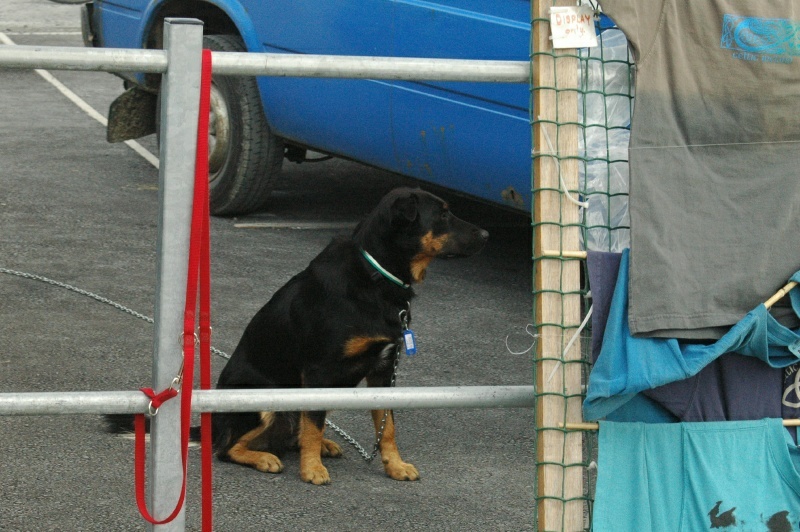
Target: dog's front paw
[[316, 474], [268, 463], [401, 470], [331, 449]]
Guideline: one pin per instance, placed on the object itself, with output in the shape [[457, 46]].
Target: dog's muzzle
[[465, 239]]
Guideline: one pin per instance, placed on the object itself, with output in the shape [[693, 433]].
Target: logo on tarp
[[770, 40]]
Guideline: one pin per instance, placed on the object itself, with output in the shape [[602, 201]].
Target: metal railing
[[180, 97], [264, 64], [54, 403]]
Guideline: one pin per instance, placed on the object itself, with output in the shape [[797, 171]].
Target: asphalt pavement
[[84, 212]]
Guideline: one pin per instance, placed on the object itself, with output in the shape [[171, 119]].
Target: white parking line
[[43, 33], [296, 225], [85, 107], [132, 436]]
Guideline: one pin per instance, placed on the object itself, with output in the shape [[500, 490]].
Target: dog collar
[[383, 271]]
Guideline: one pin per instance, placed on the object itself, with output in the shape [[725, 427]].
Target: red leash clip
[[158, 399]]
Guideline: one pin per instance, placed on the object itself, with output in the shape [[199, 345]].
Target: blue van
[[473, 138]]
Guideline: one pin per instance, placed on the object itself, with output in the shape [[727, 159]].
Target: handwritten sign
[[572, 27]]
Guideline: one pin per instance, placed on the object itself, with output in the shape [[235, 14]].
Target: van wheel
[[244, 157]]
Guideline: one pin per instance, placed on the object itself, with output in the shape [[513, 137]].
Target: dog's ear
[[405, 208]]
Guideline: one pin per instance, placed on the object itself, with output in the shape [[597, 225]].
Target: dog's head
[[414, 227]]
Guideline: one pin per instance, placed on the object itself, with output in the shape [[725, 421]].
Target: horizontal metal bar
[[364, 67], [128, 402], [75, 58], [279, 65]]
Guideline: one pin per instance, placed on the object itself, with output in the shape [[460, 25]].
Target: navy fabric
[[603, 272], [629, 365], [732, 387]]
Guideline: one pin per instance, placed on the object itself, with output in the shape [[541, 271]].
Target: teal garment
[[642, 408], [628, 365], [688, 477]]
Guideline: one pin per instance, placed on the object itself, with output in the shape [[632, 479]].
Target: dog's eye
[[445, 215]]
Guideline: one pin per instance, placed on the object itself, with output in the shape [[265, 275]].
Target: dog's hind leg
[[241, 453], [394, 466], [312, 425]]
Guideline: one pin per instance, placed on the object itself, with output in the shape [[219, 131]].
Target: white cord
[[572, 341], [584, 204], [534, 335]]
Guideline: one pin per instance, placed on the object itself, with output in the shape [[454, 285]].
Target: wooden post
[[560, 506]]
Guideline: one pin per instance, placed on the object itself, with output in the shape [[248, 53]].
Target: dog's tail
[[123, 424]]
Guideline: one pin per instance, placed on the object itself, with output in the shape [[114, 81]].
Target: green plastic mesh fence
[[581, 105]]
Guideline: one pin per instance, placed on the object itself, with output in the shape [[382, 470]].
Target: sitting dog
[[334, 324]]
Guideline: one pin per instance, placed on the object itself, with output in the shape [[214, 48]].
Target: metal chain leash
[[349, 439], [94, 296], [369, 457]]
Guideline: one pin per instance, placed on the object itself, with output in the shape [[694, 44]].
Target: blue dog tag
[[410, 343]]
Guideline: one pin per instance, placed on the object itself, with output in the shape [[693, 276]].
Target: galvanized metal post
[[183, 40]]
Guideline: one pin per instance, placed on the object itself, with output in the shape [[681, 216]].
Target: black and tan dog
[[335, 324]]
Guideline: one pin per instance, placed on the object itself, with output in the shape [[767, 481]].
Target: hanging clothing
[[714, 160], [732, 387], [603, 269], [686, 477], [628, 365]]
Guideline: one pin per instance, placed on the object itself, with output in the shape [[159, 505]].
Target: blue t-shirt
[[688, 477], [628, 365]]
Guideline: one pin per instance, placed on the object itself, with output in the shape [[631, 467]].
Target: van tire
[[245, 164]]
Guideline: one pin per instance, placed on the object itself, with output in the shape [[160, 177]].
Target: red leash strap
[[198, 280], [201, 181], [140, 453]]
